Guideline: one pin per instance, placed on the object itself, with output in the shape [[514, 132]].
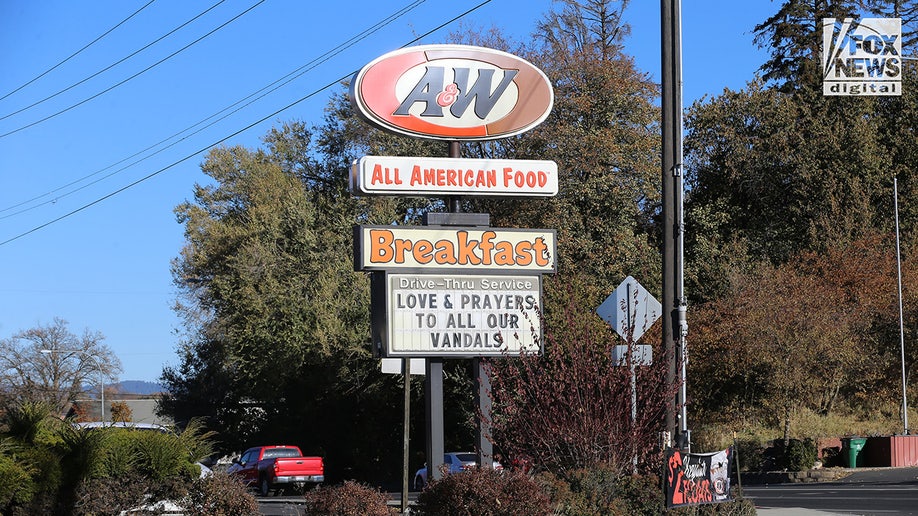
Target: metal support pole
[[433, 394], [901, 327], [484, 447], [667, 209], [674, 302], [406, 375]]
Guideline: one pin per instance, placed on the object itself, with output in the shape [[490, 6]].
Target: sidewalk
[[795, 511]]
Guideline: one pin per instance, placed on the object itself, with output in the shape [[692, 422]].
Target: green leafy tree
[[277, 347], [603, 133], [778, 172], [570, 408], [277, 319]]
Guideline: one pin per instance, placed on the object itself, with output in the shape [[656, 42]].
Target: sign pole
[[433, 395], [406, 374], [433, 386]]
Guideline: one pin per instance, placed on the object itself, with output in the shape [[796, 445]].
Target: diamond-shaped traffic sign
[[631, 310]]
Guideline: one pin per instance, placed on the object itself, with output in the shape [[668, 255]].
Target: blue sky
[[67, 145]]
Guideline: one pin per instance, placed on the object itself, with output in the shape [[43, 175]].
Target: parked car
[[454, 462], [277, 467], [90, 425]]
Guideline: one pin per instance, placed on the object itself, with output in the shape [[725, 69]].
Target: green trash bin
[[851, 449]]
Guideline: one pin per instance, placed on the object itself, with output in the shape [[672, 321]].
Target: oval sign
[[452, 92]]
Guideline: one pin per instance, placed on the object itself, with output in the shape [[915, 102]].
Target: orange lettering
[[380, 245], [400, 247], [541, 252], [486, 246], [445, 253], [467, 250], [504, 254], [423, 251], [523, 253]]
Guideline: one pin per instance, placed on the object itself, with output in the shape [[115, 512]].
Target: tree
[[801, 335], [906, 10], [29, 374], [121, 412], [570, 408], [793, 36], [278, 321], [603, 134]]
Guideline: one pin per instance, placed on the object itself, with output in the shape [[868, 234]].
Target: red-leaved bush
[[483, 492], [570, 408], [347, 499]]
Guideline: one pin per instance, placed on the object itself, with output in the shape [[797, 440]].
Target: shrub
[[16, 486], [47, 474], [739, 507], [484, 492], [219, 495], [750, 453], [832, 457], [796, 455], [27, 419], [600, 491], [103, 496], [160, 455], [348, 499], [640, 494]]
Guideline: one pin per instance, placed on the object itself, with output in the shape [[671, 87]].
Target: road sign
[[631, 310], [641, 355], [394, 365]]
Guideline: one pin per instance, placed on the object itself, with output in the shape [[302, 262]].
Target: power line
[[161, 61], [116, 63], [277, 84], [71, 56], [225, 138]]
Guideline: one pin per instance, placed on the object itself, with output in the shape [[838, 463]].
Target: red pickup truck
[[277, 467]]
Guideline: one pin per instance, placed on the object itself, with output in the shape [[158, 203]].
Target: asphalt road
[[868, 492], [877, 491]]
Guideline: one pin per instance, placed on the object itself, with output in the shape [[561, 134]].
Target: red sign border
[[372, 93]]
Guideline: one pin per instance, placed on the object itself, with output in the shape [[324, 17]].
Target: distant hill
[[139, 387]]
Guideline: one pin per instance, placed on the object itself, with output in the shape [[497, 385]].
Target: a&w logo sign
[[862, 57], [452, 92]]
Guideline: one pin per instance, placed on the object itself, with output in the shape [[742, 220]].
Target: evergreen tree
[[793, 37]]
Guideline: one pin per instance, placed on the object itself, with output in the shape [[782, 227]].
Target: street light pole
[[98, 365]]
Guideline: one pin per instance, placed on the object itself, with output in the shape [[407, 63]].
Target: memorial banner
[[697, 478]]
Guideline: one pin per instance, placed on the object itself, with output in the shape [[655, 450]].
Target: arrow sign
[[631, 310]]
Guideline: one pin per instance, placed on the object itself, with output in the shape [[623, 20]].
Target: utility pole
[[675, 327]]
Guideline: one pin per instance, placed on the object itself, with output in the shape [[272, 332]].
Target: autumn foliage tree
[[801, 335]]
